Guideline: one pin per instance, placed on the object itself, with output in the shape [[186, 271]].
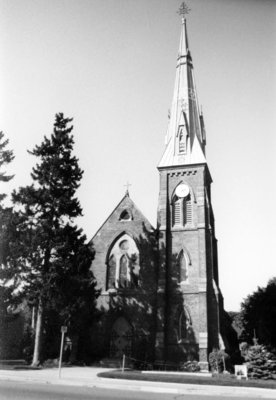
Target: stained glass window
[[111, 272]]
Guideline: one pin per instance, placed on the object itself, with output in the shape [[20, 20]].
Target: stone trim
[[182, 173]]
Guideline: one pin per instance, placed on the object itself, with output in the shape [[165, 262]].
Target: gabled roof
[[125, 204]]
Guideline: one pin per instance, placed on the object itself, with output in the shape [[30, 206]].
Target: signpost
[[63, 331]]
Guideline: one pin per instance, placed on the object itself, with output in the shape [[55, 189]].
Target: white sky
[[110, 64]]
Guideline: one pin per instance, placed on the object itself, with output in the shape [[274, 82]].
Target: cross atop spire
[[183, 10]]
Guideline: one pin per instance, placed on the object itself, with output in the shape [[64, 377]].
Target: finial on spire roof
[[183, 10]]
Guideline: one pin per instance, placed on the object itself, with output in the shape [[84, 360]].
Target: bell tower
[[189, 299]]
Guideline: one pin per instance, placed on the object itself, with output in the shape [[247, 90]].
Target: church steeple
[[185, 139]]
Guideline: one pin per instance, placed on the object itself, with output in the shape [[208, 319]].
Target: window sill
[[119, 291], [183, 227]]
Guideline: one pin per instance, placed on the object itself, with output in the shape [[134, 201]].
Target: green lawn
[[220, 380]]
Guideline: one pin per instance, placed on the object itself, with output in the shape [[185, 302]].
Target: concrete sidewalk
[[87, 376]]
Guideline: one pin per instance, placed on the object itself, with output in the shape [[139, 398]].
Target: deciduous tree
[[258, 315]]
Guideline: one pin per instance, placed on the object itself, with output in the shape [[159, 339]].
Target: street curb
[[105, 383]]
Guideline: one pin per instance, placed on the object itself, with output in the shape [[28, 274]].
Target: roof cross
[[127, 185], [183, 10]]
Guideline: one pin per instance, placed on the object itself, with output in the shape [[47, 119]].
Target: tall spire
[[185, 139]]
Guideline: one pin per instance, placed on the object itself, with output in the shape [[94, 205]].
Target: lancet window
[[183, 265], [111, 271], [183, 325], [123, 271]]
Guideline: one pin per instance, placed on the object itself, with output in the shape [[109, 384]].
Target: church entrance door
[[121, 338]]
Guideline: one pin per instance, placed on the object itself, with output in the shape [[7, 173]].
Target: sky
[[110, 64]]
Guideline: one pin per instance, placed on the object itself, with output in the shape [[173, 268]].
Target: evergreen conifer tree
[[6, 213], [51, 260], [6, 156], [261, 362]]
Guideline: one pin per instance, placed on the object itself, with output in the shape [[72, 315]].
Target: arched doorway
[[121, 338]]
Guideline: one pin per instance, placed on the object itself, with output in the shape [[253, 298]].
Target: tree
[[75, 294], [6, 156], [6, 216], [261, 362], [258, 315], [49, 253]]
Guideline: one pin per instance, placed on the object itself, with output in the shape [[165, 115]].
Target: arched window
[[123, 271], [123, 265], [183, 267], [184, 325], [111, 272], [182, 211]]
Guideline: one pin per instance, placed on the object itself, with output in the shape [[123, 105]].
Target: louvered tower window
[[177, 212], [187, 210], [182, 213]]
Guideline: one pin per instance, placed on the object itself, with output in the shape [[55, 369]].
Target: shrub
[[190, 366], [261, 362], [218, 360]]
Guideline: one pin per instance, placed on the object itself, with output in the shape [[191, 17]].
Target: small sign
[[241, 371], [63, 329]]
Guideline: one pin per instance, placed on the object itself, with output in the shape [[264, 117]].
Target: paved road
[[40, 391]]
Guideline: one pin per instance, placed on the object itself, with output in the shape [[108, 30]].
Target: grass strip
[[219, 380]]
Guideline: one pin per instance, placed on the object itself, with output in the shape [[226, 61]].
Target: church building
[[160, 298]]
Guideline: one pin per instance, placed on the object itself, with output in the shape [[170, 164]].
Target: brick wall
[[197, 293], [137, 305]]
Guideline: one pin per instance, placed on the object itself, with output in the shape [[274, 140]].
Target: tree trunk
[[33, 317], [38, 335]]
